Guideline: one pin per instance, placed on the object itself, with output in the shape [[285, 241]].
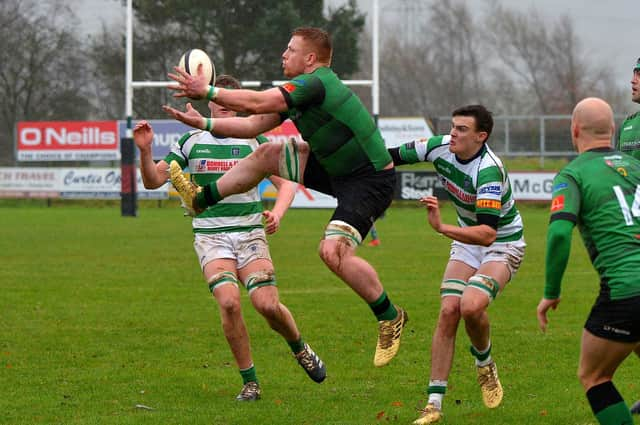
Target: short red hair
[[319, 39]]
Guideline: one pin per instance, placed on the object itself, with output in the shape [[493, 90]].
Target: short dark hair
[[319, 38], [483, 117], [227, 82]]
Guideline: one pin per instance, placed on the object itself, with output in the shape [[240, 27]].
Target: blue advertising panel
[[167, 132]]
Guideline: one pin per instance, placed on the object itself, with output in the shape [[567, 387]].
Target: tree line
[[514, 62]]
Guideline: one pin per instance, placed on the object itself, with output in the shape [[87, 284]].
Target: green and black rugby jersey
[[629, 135], [600, 192], [331, 118]]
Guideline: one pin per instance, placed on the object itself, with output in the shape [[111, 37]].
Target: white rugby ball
[[192, 59]]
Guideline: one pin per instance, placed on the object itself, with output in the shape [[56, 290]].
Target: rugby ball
[[192, 59]]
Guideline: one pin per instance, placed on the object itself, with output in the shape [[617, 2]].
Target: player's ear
[[575, 130], [312, 58]]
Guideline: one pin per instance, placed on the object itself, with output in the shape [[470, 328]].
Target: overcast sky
[[609, 30]]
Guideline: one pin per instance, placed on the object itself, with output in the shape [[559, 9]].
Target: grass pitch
[[106, 320]]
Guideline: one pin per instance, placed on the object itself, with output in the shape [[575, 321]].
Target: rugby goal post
[[128, 192]]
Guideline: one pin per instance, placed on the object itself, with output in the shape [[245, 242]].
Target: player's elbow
[[488, 236], [150, 185]]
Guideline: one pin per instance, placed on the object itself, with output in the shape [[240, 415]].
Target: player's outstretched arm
[[153, 175], [247, 101], [286, 193], [241, 127], [409, 153]]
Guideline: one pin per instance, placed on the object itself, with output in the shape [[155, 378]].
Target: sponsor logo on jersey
[[627, 128], [289, 87], [458, 193], [488, 203], [630, 145], [235, 151], [493, 189], [614, 157], [560, 186], [558, 203], [443, 169], [214, 165], [623, 171]]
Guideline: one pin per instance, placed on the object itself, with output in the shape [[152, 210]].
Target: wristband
[[212, 92], [207, 123]]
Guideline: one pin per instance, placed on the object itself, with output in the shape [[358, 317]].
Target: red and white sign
[[285, 131], [67, 141]]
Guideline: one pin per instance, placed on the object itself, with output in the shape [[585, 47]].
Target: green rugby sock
[[208, 196], [249, 374], [608, 406], [296, 346], [383, 308], [483, 358]]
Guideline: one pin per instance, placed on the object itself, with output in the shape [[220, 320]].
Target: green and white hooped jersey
[[208, 158], [480, 185]]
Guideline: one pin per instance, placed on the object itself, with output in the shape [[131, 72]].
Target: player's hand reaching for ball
[[190, 116], [143, 135], [192, 86]]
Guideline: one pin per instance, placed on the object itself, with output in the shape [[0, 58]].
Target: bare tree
[[441, 70], [542, 59], [42, 76]]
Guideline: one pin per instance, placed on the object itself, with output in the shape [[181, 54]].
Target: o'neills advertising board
[[67, 141]]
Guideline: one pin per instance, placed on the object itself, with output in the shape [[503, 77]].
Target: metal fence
[[541, 136]]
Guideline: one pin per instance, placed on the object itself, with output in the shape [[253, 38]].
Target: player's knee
[[265, 300], [269, 308], [471, 309], [481, 290], [589, 377], [230, 306], [326, 252], [340, 241], [449, 313], [333, 253]]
